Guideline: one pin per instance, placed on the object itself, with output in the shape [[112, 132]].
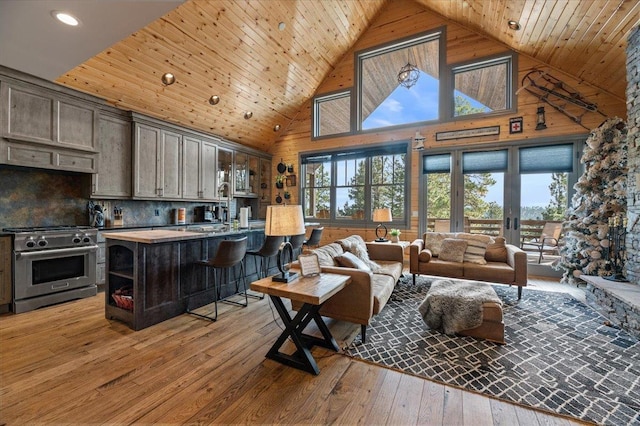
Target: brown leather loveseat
[[483, 258]]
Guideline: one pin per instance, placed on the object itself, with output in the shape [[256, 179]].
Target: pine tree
[[600, 194]]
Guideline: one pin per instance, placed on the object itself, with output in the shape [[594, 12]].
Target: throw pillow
[[433, 241], [476, 247], [497, 251], [359, 248], [425, 255], [350, 260], [452, 250]]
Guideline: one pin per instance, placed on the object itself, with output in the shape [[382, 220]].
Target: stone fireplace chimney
[[633, 140]]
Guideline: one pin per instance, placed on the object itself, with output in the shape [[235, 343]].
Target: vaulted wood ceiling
[[239, 51]]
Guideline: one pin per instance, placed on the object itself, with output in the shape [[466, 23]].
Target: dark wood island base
[[150, 274]]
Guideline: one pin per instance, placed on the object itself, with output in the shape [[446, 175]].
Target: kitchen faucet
[[220, 191]]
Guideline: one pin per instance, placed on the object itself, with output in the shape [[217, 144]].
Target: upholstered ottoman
[[469, 308]]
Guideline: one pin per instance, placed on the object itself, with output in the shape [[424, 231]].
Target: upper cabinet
[[225, 163], [157, 163], [199, 169], [113, 177], [246, 174], [56, 131]]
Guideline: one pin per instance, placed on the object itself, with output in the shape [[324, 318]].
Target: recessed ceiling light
[[213, 100], [66, 18], [276, 127], [514, 25], [168, 78], [248, 115], [282, 26]]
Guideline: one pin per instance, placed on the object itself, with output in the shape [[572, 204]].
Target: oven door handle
[[56, 252]]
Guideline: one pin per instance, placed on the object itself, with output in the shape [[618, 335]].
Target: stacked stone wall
[[633, 140]]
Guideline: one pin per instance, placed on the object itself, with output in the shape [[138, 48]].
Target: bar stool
[[314, 238], [296, 243], [269, 249], [230, 253]]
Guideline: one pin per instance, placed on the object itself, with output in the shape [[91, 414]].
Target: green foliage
[[557, 206]]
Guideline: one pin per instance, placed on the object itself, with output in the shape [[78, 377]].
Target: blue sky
[[420, 103]]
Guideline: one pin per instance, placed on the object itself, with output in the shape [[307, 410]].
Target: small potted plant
[[280, 181], [395, 235], [287, 195]]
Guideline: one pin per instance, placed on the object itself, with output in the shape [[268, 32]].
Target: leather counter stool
[[230, 254]]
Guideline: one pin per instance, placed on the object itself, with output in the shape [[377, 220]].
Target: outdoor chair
[[547, 242]]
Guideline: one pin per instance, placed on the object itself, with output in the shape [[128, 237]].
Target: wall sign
[[515, 125], [468, 133]]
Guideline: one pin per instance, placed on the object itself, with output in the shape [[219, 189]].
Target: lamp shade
[[284, 221], [382, 215]]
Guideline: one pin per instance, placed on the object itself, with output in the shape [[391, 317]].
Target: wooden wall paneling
[[389, 26]]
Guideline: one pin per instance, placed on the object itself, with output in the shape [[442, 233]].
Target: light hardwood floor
[[67, 364]]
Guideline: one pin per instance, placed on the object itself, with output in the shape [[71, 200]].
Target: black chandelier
[[408, 75]]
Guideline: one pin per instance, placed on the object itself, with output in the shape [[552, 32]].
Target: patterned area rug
[[559, 355]]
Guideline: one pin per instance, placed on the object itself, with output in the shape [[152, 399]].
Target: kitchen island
[[151, 273]]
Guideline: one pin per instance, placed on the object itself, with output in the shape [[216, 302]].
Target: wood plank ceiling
[[236, 50]]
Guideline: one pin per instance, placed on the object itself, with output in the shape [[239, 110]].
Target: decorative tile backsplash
[[34, 197], [31, 197]]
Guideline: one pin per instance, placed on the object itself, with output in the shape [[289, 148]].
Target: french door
[[504, 191]]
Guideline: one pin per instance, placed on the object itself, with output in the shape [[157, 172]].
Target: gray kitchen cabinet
[[60, 131], [192, 157], [171, 165], [46, 129], [5, 273], [208, 170], [100, 260], [157, 163], [113, 178], [199, 169], [46, 156]]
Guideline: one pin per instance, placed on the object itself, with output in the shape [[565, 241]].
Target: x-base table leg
[[302, 358]]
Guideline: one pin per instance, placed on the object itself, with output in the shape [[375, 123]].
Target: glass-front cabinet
[[253, 174], [225, 162], [246, 174], [241, 181]]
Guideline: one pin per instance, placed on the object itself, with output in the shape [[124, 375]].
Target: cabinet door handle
[[515, 223], [508, 224]]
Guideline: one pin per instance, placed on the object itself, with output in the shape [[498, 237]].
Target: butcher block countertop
[[167, 235], [154, 236]]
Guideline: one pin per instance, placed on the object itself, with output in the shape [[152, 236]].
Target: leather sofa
[[497, 262], [371, 285]]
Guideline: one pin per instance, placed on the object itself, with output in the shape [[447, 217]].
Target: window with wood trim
[[484, 86], [350, 184], [332, 114], [382, 100]]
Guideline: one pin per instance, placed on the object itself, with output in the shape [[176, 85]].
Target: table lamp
[[382, 215], [284, 221]]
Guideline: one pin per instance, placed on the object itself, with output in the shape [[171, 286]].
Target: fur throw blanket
[[452, 306]]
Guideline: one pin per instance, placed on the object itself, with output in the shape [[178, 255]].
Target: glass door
[[483, 204], [511, 192], [546, 178]]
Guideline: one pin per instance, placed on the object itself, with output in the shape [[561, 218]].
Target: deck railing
[[529, 229]]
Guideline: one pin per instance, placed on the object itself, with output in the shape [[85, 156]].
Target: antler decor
[[558, 94]]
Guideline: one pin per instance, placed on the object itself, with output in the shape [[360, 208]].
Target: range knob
[[42, 242], [86, 239], [76, 239], [30, 243]]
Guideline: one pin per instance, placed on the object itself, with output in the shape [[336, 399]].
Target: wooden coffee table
[[312, 292]]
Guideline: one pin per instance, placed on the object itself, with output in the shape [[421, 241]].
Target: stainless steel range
[[52, 265]]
